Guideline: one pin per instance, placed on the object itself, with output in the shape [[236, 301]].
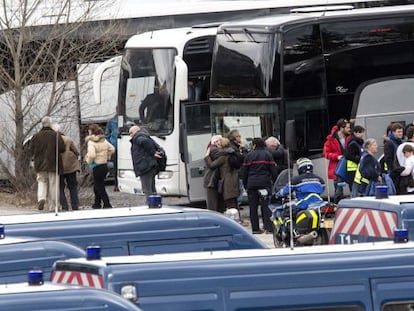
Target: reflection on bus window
[[251, 119], [148, 80]]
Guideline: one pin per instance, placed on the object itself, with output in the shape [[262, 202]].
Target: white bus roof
[[139, 9], [268, 22], [169, 38], [247, 253], [89, 214]]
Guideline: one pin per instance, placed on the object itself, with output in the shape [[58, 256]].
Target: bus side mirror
[[290, 135]]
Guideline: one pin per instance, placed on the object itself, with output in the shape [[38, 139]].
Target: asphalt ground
[[120, 199]]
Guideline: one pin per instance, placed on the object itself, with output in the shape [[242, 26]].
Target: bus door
[[195, 135]]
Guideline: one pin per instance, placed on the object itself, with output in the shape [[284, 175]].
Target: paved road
[[119, 199]]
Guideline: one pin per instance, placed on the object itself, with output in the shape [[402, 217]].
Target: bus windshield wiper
[[228, 34], [249, 35]]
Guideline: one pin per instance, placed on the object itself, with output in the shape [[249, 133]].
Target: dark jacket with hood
[[142, 152]]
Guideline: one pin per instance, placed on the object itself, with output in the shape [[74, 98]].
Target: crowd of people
[[267, 158], [363, 171], [231, 168]]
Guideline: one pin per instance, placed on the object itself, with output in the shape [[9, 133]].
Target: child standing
[[408, 152]]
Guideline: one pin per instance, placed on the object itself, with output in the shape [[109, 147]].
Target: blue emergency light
[[2, 235], [400, 235], [93, 252], [154, 201], [35, 277]]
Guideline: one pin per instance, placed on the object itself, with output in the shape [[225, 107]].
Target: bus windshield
[[146, 89], [244, 65]]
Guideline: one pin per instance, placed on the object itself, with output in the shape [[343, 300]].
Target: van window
[[331, 308], [399, 306]]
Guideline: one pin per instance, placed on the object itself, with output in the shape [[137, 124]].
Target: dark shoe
[[107, 206], [41, 205], [258, 231], [96, 206], [75, 208], [116, 189]]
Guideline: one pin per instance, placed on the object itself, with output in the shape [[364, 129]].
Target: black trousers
[[254, 202], [99, 174]]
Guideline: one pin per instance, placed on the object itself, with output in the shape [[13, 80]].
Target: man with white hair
[[279, 153], [44, 146]]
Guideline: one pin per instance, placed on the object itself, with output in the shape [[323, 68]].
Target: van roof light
[[400, 235], [35, 277], [154, 201], [2, 235], [93, 252]]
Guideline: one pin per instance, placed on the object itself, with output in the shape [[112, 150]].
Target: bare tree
[[42, 42]]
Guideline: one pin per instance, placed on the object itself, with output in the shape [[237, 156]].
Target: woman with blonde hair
[[229, 177]]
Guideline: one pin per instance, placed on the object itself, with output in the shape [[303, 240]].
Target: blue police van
[[356, 277], [40, 296], [137, 230], [19, 255], [368, 219]]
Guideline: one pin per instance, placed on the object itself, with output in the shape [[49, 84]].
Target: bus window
[[360, 50], [303, 68], [148, 79], [311, 124], [251, 119]]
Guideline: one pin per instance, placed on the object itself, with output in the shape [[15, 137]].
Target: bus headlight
[[165, 175], [129, 292]]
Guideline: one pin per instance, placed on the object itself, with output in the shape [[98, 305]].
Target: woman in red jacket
[[334, 149]]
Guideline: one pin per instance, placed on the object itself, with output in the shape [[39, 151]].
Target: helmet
[[304, 165]]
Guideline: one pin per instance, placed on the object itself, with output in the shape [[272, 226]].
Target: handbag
[[220, 185], [341, 170]]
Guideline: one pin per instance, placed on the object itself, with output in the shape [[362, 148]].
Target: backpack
[[235, 160], [162, 161]]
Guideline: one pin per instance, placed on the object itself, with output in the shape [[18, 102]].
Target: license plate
[[328, 223]]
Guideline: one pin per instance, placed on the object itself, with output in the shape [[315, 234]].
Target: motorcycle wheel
[[323, 237], [277, 240]]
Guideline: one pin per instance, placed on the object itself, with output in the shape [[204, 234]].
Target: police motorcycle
[[312, 225]]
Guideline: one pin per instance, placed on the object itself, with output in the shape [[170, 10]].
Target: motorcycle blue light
[[154, 201], [35, 277], [400, 235], [2, 235], [93, 252]]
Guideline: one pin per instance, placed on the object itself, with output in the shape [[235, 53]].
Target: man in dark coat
[[44, 146], [259, 172], [144, 154]]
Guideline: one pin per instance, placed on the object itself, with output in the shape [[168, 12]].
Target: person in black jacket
[[144, 154], [259, 172], [279, 153], [369, 169], [353, 152], [43, 146]]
